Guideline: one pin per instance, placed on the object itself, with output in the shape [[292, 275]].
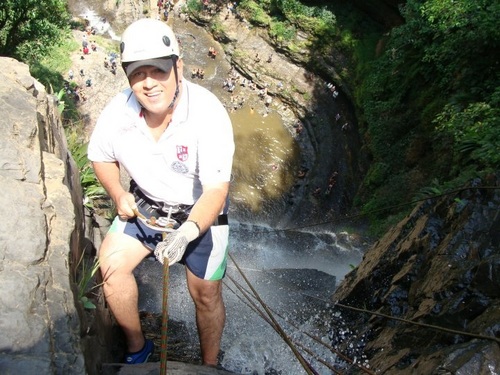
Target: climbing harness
[[154, 213], [161, 224]]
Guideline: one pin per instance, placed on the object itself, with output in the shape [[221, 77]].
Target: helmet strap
[[176, 94]]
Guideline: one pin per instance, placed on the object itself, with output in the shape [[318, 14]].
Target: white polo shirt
[[197, 147]]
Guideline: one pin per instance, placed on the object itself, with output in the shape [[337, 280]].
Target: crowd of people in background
[[164, 9], [76, 86], [234, 80]]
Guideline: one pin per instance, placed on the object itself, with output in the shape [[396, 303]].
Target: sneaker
[[142, 355]]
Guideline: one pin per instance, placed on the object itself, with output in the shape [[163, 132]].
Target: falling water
[[99, 23]]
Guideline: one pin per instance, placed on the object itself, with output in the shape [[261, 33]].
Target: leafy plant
[[475, 130], [282, 31], [60, 102], [92, 188], [429, 83], [194, 6], [256, 15], [430, 191], [216, 28], [87, 270]]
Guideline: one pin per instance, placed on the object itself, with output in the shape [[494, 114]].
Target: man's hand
[[125, 205], [174, 245]]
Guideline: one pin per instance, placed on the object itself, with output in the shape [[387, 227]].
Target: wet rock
[[438, 267]]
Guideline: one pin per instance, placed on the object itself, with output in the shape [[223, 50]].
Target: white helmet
[[146, 40]]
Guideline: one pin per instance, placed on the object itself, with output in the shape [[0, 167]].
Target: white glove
[[174, 245]]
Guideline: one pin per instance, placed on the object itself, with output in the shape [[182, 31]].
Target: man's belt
[[154, 208]]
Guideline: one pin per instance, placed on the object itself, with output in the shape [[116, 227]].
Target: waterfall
[[99, 23]]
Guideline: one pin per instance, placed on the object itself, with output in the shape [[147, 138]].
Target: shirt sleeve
[[101, 144]]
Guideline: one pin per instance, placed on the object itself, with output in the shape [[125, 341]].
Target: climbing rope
[[255, 308], [439, 328], [306, 365], [293, 344], [164, 318], [448, 330], [270, 319]]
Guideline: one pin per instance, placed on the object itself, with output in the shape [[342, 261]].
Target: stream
[[294, 271]]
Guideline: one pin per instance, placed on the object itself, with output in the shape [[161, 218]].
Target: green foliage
[[317, 21], [476, 132], [461, 32], [282, 31], [29, 28], [216, 28], [194, 6], [92, 188], [437, 80], [347, 39], [60, 101], [51, 68], [86, 270], [284, 17], [239, 54], [377, 175], [430, 191], [255, 14]]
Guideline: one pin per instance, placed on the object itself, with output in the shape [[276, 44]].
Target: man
[[175, 141]]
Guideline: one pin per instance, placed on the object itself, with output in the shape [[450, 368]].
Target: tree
[[28, 28], [431, 100]]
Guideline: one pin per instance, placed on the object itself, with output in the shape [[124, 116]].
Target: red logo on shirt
[[182, 153]]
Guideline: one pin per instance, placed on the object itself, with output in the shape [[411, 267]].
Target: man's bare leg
[[118, 256], [210, 315]]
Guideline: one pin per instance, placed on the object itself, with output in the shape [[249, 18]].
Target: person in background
[[175, 140]]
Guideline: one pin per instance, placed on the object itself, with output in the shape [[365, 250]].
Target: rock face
[[440, 266], [40, 233]]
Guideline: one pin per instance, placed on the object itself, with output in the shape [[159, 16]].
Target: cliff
[[41, 231], [426, 296]]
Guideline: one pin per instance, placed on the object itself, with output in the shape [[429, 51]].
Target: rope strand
[[449, 330], [315, 338], [307, 366]]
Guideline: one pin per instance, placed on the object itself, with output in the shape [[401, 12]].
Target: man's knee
[[120, 254], [207, 294]]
